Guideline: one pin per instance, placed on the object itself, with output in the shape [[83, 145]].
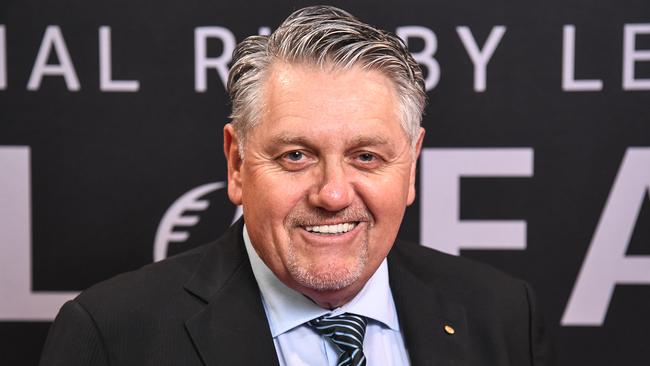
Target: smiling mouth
[[332, 229]]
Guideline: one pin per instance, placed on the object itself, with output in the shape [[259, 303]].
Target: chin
[[328, 277]]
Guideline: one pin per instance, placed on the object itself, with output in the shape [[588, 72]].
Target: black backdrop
[[552, 154]]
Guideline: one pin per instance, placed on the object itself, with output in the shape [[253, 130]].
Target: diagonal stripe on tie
[[346, 332]]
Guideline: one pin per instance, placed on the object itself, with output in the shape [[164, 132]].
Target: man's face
[[326, 177]]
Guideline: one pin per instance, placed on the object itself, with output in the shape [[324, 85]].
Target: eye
[[295, 160], [367, 160], [367, 157], [294, 155]]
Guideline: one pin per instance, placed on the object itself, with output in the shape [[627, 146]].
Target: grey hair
[[323, 36]]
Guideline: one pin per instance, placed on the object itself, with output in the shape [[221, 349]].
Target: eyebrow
[[289, 139], [370, 141]]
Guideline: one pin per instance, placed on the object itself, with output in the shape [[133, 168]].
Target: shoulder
[[111, 321], [465, 279], [486, 302], [144, 288], [167, 281], [428, 261], [494, 305], [126, 318]]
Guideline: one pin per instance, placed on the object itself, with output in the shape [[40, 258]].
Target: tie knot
[[346, 331]]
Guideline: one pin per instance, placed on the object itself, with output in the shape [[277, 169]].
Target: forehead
[[348, 103]]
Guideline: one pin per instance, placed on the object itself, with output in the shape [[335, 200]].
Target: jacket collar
[[425, 315], [233, 318]]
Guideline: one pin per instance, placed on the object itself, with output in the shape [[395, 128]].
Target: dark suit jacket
[[203, 307]]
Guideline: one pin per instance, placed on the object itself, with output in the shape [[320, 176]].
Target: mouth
[[335, 229]]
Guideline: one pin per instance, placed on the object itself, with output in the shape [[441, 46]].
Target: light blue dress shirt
[[297, 344]]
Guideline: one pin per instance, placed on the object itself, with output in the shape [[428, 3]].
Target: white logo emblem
[[183, 213]]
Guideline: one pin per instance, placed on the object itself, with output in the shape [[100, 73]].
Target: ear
[[418, 148], [231, 150]]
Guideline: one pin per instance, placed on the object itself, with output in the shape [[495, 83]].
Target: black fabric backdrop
[[107, 165]]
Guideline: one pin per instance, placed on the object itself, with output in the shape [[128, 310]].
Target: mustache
[[317, 216]]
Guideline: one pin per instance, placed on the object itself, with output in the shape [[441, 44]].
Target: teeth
[[332, 229]]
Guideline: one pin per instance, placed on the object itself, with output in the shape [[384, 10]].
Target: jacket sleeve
[[541, 349], [73, 339]]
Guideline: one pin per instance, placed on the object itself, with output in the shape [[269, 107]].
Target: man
[[321, 154]]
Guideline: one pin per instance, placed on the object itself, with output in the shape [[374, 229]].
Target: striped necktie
[[346, 331]]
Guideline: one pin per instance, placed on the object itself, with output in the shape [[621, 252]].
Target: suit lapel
[[423, 314], [233, 318]]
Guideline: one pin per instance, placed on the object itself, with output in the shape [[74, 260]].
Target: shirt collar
[[287, 308]]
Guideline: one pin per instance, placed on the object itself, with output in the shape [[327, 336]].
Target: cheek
[[270, 197], [386, 198], [267, 200]]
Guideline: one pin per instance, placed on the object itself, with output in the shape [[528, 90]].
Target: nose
[[333, 191]]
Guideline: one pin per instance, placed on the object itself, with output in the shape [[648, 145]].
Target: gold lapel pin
[[449, 329]]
